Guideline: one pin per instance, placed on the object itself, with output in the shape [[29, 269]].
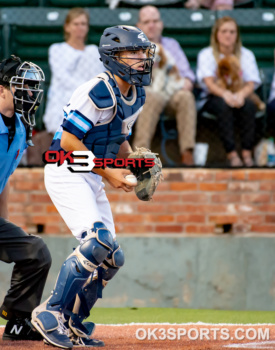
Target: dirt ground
[[159, 336]]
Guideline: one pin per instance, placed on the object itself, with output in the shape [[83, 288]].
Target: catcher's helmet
[[26, 78], [115, 40]]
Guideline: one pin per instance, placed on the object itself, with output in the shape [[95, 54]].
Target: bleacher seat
[[100, 18], [190, 28], [257, 32], [267, 3], [19, 3], [75, 3], [158, 3]]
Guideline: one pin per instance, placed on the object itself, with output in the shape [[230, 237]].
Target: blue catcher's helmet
[[115, 40]]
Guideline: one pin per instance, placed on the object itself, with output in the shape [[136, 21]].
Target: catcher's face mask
[[26, 91]]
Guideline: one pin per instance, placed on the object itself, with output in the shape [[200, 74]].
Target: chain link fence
[[179, 120]]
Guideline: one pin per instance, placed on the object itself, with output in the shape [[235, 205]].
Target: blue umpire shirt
[[11, 156]]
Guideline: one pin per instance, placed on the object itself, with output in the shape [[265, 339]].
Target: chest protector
[[104, 139]]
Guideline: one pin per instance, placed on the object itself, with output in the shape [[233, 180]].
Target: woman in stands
[[72, 63], [225, 105]]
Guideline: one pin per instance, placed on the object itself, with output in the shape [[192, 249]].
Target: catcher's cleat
[[51, 326], [20, 328], [86, 342]]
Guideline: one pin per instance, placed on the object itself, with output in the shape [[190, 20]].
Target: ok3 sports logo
[[85, 161]]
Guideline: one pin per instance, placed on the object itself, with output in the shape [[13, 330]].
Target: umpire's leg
[[32, 262]]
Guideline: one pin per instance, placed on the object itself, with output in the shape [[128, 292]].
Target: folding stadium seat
[[75, 3], [190, 28]]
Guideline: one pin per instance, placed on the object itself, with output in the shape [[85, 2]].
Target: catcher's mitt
[[147, 178]]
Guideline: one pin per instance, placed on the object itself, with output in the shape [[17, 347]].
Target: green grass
[[161, 315]]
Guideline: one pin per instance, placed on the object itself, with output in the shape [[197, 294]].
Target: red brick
[[225, 198], [225, 175], [132, 228], [213, 186], [51, 209], [267, 207], [127, 197], [245, 208], [16, 208], [173, 177], [267, 186], [195, 197], [113, 197], [29, 186], [223, 219], [261, 175], [37, 208], [163, 186], [270, 219], [198, 175], [169, 228], [36, 174], [191, 218], [166, 197], [183, 186], [199, 229], [128, 218], [45, 219], [18, 219], [263, 228], [243, 186], [256, 197], [199, 208], [18, 197], [151, 207], [40, 198], [159, 218], [253, 219], [52, 229], [241, 228]]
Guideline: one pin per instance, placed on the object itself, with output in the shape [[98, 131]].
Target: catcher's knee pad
[[79, 266], [97, 244]]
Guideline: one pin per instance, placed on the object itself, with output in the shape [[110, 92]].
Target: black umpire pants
[[226, 116], [32, 263]]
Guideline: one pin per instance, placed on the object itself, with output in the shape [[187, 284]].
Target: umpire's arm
[[4, 202]]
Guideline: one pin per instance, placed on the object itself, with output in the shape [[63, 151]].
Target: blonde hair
[[72, 14], [214, 40]]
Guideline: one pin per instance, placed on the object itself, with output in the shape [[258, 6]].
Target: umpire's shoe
[[20, 328], [51, 326]]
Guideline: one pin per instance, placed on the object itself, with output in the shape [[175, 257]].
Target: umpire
[[20, 96]]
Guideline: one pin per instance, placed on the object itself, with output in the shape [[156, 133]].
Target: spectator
[[214, 5], [72, 63], [225, 41], [271, 106], [181, 103]]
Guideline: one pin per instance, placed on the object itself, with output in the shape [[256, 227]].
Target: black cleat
[[20, 328]]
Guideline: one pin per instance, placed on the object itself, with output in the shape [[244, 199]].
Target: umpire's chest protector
[[104, 139]]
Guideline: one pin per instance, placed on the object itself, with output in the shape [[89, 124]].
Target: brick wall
[[188, 201]]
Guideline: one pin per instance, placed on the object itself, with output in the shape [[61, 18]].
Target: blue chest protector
[[104, 139]]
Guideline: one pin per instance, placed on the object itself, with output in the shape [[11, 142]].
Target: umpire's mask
[[27, 93]]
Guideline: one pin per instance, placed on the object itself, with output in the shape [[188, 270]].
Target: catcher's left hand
[[147, 178]]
